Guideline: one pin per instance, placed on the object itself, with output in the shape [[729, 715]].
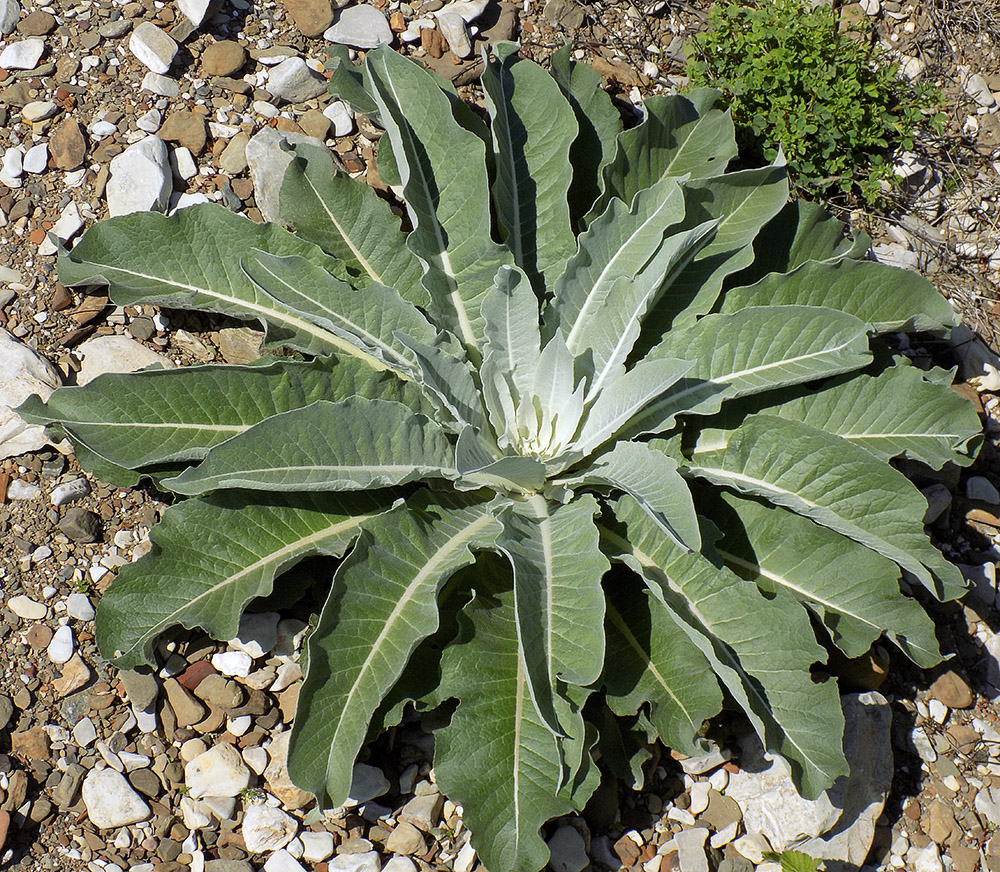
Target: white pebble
[[84, 732], [36, 159], [233, 663], [150, 121], [78, 606], [26, 608], [61, 647], [22, 490]]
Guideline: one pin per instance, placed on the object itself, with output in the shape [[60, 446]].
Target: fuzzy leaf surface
[[211, 556], [652, 662], [836, 484], [888, 298], [734, 626], [853, 589], [533, 128], [191, 260], [354, 445], [443, 172], [383, 603], [348, 220]]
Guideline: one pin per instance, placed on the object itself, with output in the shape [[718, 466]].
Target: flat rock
[[163, 86], [22, 55], [979, 488], [267, 829], [223, 58], [186, 128], [111, 801], [75, 674], [360, 27], [367, 861], [424, 811], [153, 48], [61, 647], [115, 353], [311, 17], [37, 23], [953, 690], [217, 772], [23, 372], [187, 710], [268, 164], [294, 81], [26, 608], [691, 849], [141, 180]]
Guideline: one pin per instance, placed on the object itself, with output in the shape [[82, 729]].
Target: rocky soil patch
[[107, 107]]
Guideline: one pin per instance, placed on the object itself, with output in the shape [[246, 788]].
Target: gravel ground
[[107, 771]]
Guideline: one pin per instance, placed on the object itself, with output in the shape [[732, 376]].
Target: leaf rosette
[[652, 404]]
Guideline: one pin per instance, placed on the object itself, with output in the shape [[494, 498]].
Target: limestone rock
[[268, 164], [22, 373], [111, 801], [154, 48], [217, 772], [141, 180], [114, 353]]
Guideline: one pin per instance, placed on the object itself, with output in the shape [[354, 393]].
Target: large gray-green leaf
[[622, 401], [599, 122], [353, 445], [886, 297], [680, 135], [852, 589], [443, 172], [651, 478], [895, 414], [742, 203], [383, 603], [801, 232], [833, 482], [347, 219], [533, 129], [211, 556], [651, 661], [191, 260], [368, 318], [614, 248], [167, 415], [558, 566], [497, 756], [479, 466], [760, 648], [752, 351]]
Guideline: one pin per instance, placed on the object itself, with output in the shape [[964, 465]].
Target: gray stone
[[154, 48], [257, 634], [23, 55], [424, 812], [979, 488], [228, 866], [568, 853], [359, 27], [10, 11], [78, 606], [294, 81], [81, 525], [116, 353], [141, 180], [6, 711], [268, 163], [367, 782], [938, 498], [141, 687], [111, 801]]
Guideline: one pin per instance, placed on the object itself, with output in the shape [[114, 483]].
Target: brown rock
[[187, 710], [315, 123], [186, 128], [951, 689], [311, 17], [75, 674], [941, 822], [67, 146], [432, 41], [195, 674], [38, 635], [627, 851], [223, 58], [4, 827], [61, 297], [405, 839], [37, 23], [233, 159], [32, 744]]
